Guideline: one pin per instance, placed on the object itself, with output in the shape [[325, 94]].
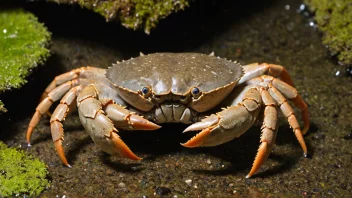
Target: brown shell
[[174, 72]]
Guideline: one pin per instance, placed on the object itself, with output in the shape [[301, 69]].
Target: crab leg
[[289, 113], [46, 103], [292, 94], [71, 75], [255, 70], [101, 128], [59, 115], [269, 131]]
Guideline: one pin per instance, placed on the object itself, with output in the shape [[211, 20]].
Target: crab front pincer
[[219, 97]]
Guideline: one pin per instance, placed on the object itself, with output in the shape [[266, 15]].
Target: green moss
[[133, 14], [22, 46], [334, 18], [20, 173], [2, 107]]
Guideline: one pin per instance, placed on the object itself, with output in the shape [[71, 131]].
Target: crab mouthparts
[[173, 112]]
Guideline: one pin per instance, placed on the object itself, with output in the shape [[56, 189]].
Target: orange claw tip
[[127, 153], [141, 123], [248, 176], [122, 149], [197, 140]]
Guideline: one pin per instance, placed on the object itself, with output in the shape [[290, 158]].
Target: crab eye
[[195, 92], [146, 91]]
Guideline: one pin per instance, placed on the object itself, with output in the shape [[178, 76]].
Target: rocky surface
[[269, 32], [334, 20]]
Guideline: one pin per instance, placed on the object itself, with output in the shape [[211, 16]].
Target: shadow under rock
[[21, 103], [182, 31]]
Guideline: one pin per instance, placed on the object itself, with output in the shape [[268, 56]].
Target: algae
[[334, 19], [20, 173], [22, 46], [133, 14], [2, 107]]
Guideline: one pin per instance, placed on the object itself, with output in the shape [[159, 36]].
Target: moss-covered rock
[[334, 19], [22, 46], [133, 14], [2, 107], [20, 173]]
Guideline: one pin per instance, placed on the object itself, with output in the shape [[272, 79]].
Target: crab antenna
[[212, 54], [141, 54]]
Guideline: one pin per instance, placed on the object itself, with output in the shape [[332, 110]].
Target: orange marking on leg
[[34, 121], [60, 152], [121, 148], [198, 139], [262, 154]]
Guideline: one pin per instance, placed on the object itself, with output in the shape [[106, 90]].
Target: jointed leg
[[46, 103], [291, 93], [71, 75], [288, 92], [255, 70], [59, 115], [101, 128], [289, 114], [269, 131]]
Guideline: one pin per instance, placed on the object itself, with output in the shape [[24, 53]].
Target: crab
[[218, 97]]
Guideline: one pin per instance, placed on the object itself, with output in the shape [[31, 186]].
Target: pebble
[[162, 191], [121, 185], [348, 136], [208, 161], [189, 182]]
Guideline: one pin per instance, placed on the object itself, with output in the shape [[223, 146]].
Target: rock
[[334, 20], [162, 191], [23, 44], [133, 14], [21, 175], [189, 182], [121, 185]]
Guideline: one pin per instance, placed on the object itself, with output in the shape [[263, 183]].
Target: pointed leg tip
[[68, 165], [248, 176], [29, 144], [305, 155]]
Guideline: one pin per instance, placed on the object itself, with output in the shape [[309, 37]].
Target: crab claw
[[206, 122], [140, 123], [122, 149], [206, 125], [125, 119], [197, 140]]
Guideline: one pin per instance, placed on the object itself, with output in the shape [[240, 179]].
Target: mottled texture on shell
[[175, 72]]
